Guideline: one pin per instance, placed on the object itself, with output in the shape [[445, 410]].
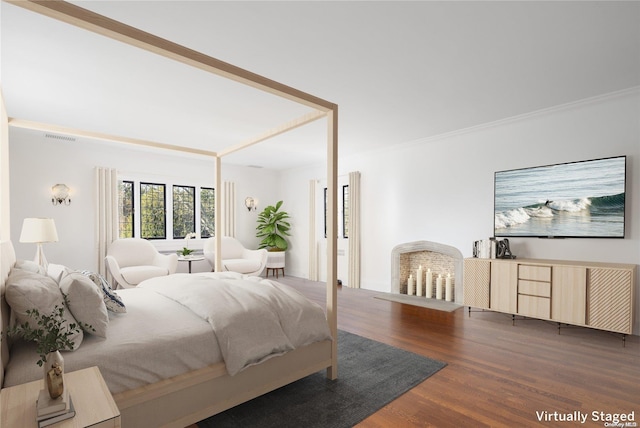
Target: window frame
[[164, 210], [168, 241], [132, 226], [346, 211], [201, 210], [173, 210]]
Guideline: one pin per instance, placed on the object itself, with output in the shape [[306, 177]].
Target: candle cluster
[[415, 285]]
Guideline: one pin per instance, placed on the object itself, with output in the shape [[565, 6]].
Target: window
[[345, 211], [164, 215], [326, 211], [184, 212], [207, 212], [125, 209], [153, 218]]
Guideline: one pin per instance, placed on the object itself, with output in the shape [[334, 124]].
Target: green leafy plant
[[185, 250], [51, 332], [273, 227]]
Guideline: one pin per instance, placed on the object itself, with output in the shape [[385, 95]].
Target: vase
[[54, 374]]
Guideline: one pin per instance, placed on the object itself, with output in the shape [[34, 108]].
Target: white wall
[[441, 189], [438, 189], [37, 163]]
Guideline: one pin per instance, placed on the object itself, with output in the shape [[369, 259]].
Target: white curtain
[[106, 213], [229, 209], [313, 246], [354, 229]]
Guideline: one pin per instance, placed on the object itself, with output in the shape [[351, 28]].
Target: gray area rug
[[370, 375], [440, 305]]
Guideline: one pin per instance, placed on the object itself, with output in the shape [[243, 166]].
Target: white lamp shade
[[38, 230]]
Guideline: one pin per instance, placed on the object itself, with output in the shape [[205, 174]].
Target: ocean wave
[[573, 206], [548, 209]]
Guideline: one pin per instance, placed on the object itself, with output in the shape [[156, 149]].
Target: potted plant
[[273, 227], [51, 334], [185, 250]]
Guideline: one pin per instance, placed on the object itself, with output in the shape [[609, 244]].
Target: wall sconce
[[251, 203], [60, 194]]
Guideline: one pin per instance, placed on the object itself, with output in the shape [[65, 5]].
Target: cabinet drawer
[[534, 306], [534, 288], [535, 273]]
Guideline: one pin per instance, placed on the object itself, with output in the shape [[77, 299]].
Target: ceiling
[[399, 71]]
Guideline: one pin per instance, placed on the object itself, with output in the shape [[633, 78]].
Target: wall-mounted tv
[[583, 199]]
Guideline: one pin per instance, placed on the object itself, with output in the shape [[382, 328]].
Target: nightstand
[[91, 398]]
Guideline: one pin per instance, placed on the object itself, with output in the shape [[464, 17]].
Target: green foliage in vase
[[185, 251], [273, 227], [51, 332]]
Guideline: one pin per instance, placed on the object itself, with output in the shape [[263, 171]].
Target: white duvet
[[253, 319], [185, 322]]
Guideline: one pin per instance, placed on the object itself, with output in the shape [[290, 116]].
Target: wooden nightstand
[[91, 398]]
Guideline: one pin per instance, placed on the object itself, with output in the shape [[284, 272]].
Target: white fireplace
[[440, 258]]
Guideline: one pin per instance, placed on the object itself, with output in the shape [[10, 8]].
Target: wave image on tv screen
[[579, 199]]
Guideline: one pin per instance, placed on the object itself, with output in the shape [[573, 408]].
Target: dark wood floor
[[497, 374]]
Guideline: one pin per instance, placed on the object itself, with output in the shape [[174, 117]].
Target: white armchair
[[236, 258], [132, 260]]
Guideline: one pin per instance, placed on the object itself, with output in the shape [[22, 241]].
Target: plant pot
[[54, 374]]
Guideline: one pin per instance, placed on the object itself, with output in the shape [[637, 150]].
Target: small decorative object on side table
[[186, 251], [92, 402]]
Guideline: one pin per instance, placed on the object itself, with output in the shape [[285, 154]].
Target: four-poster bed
[[193, 396]]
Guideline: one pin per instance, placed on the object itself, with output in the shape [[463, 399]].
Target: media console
[[596, 295]]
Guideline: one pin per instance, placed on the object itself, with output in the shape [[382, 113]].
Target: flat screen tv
[[583, 199]]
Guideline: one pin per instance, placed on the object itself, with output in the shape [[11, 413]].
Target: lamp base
[[40, 258]]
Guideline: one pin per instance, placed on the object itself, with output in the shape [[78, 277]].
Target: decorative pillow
[[30, 266], [56, 272], [111, 299], [28, 290], [85, 302]]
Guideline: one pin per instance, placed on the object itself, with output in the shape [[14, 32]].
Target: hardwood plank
[[498, 374]]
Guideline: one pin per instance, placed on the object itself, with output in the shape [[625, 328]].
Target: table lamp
[[38, 231]]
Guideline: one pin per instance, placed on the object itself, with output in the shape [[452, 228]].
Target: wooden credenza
[[597, 295]]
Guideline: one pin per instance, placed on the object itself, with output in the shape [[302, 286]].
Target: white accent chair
[[132, 260], [236, 258]]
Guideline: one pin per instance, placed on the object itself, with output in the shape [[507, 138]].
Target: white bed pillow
[[30, 266], [85, 302], [29, 290], [56, 272]]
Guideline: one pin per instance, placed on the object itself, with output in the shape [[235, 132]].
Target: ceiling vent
[[60, 137]]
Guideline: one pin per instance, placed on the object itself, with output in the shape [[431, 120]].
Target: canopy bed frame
[[191, 397]]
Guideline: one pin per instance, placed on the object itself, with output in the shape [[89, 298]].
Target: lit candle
[[428, 288], [419, 282], [439, 287], [448, 289], [410, 285]]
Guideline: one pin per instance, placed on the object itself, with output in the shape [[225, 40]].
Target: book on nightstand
[[47, 406], [67, 414]]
